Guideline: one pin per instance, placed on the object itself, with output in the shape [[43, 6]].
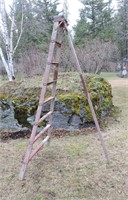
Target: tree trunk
[[8, 38], [7, 68]]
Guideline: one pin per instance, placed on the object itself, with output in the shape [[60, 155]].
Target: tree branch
[[21, 31], [12, 27]]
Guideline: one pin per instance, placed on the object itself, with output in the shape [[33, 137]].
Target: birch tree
[[7, 37]]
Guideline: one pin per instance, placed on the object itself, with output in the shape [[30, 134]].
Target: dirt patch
[[119, 82]]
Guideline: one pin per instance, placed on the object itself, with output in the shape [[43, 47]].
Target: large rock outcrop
[[18, 105]]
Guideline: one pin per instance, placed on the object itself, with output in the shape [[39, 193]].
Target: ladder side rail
[[47, 69], [55, 74], [87, 95], [39, 109]]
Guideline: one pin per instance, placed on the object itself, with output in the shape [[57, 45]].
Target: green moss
[[72, 101], [77, 103], [25, 98], [101, 96], [42, 123], [4, 106], [100, 86], [107, 103], [21, 114]]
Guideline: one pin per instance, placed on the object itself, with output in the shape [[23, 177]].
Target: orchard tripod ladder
[[59, 28]]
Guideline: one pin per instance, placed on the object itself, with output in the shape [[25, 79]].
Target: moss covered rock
[[71, 106], [76, 104]]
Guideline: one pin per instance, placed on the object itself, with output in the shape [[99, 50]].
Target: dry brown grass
[[72, 167]]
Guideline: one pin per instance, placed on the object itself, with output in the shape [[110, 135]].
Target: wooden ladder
[[59, 28]]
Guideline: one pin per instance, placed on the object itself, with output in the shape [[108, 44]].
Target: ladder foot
[[22, 171]]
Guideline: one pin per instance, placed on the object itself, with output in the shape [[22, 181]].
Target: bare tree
[[97, 56], [7, 33], [32, 62]]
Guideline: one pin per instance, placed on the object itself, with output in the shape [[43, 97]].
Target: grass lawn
[[73, 167], [109, 75]]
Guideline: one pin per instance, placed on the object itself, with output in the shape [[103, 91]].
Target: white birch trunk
[[11, 41], [5, 29], [8, 38], [6, 65]]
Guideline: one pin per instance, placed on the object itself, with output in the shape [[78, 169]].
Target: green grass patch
[[109, 75], [76, 149]]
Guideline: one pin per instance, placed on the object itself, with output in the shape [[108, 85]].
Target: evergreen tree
[[122, 28], [45, 10], [38, 22], [95, 21]]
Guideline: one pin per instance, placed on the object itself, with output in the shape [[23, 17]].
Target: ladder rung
[[54, 63], [44, 117], [57, 42], [47, 100], [42, 132], [39, 147], [51, 82]]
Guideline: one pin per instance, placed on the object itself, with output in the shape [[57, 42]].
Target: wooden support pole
[[87, 94]]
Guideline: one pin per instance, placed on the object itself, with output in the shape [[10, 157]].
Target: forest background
[[100, 36]]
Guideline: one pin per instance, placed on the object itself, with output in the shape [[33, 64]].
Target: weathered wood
[[42, 96], [87, 95], [55, 74], [41, 133], [47, 100], [39, 147], [57, 42], [59, 18], [51, 82], [60, 24], [44, 117]]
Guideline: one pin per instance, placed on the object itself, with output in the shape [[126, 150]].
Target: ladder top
[[60, 18]]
